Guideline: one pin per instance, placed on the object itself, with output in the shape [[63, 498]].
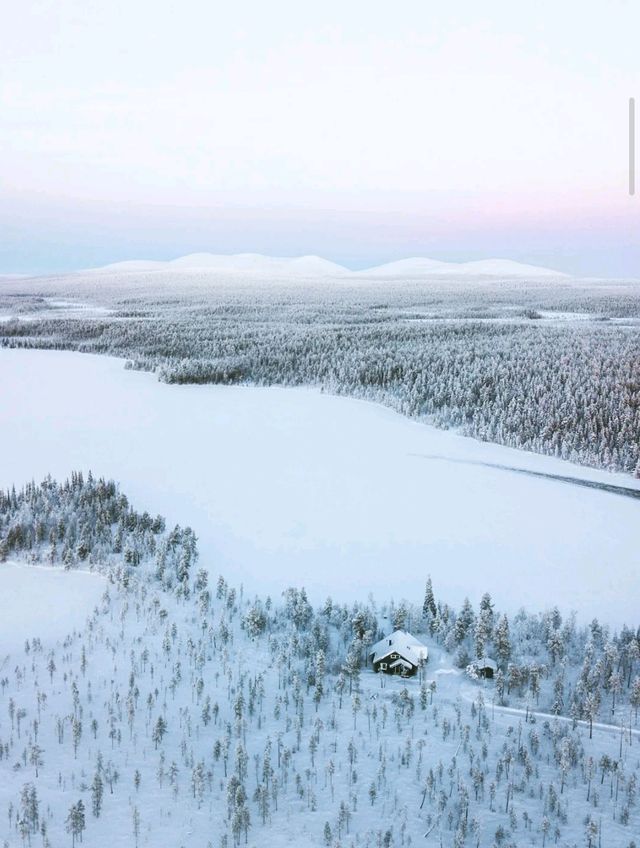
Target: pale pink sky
[[362, 131]]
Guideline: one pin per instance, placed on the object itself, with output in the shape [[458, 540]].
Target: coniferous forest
[[550, 368]]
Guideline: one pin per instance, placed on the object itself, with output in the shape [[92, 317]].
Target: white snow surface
[[294, 487], [316, 266], [43, 602]]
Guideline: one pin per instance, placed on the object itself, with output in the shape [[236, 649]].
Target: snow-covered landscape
[[291, 486], [319, 425], [150, 700], [189, 711]]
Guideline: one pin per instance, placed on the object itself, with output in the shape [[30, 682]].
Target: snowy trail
[[612, 489], [468, 695], [453, 685]]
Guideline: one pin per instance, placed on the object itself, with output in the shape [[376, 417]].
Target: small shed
[[485, 667]]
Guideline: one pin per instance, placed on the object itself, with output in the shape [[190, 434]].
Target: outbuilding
[[485, 667]]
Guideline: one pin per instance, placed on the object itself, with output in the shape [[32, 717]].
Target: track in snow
[[611, 488]]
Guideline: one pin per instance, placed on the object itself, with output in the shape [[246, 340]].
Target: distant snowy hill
[[130, 265], [244, 263], [503, 267], [256, 264], [420, 267], [416, 267]]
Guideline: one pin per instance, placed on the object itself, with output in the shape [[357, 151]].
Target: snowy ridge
[[241, 263], [420, 267], [315, 266]]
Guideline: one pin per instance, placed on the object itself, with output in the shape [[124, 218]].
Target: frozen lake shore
[[294, 487]]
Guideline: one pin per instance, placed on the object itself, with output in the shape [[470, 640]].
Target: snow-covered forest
[[551, 367], [187, 711], [319, 425]]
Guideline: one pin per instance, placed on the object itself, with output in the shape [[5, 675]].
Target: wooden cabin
[[399, 653]]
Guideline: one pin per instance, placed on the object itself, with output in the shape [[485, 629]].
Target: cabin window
[[383, 666]]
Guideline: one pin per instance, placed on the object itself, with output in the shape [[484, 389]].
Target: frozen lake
[[290, 486]]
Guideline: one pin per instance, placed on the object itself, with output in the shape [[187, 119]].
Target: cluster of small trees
[[84, 521], [79, 520], [582, 672]]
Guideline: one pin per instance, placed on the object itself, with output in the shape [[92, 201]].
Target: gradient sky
[[363, 131]]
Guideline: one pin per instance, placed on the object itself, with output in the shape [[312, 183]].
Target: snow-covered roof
[[399, 642], [486, 662]]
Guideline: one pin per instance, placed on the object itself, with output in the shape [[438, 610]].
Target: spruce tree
[[429, 608]]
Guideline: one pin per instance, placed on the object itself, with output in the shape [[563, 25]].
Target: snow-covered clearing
[[56, 308], [290, 486], [43, 603]]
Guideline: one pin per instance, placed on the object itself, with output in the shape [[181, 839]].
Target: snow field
[[293, 487], [43, 602]]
